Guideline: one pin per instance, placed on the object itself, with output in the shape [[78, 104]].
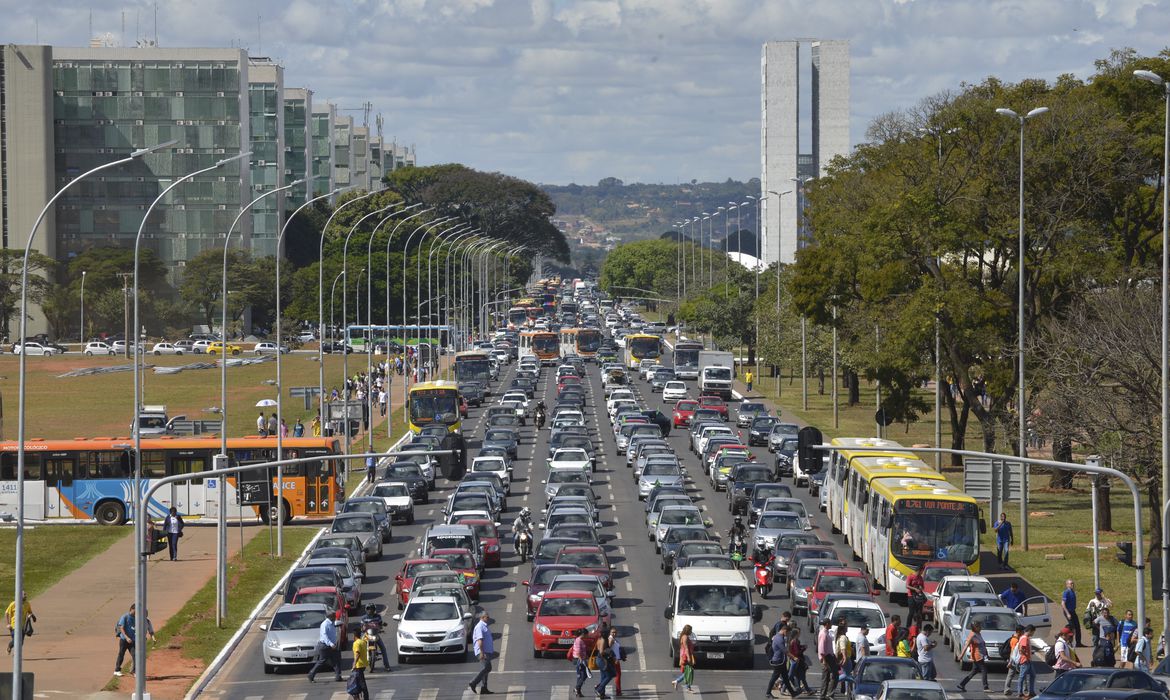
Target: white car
[[618, 395], [396, 496], [517, 396], [306, 337], [432, 626], [200, 346], [570, 457], [674, 391], [494, 465], [950, 585], [859, 612], [269, 349], [98, 348], [165, 349], [33, 349], [119, 347]]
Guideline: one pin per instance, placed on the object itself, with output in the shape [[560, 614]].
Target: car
[[558, 616], [334, 600], [411, 474], [688, 551], [335, 553], [911, 690], [998, 625], [950, 585], [658, 474], [836, 580], [310, 576], [290, 637], [660, 378], [716, 404], [98, 348], [800, 579], [760, 493], [397, 498], [353, 543], [787, 541], [487, 531], [748, 411], [217, 348], [674, 391], [538, 582], [199, 346], [855, 610], [589, 583], [464, 562], [670, 515], [363, 524], [119, 347], [351, 579], [375, 506], [683, 412], [33, 349], [779, 432], [932, 573], [759, 429], [560, 477], [432, 626], [1096, 680], [411, 568], [502, 437], [570, 458], [589, 559], [742, 479], [957, 605], [673, 539], [166, 349], [871, 671], [269, 349]]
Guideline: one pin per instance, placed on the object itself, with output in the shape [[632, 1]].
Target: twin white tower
[[784, 166]]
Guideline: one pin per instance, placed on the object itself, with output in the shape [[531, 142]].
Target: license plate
[[567, 641], [430, 647], [714, 655]]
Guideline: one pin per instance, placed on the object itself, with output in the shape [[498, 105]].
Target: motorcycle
[[524, 544], [763, 578], [540, 418], [738, 551], [371, 633]]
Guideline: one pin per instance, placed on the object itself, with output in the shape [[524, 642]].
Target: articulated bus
[[546, 345], [848, 451], [94, 477], [473, 366], [860, 474], [433, 402], [686, 359], [641, 346], [909, 522], [583, 342]]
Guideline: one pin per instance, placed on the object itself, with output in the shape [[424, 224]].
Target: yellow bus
[[910, 521], [846, 451], [433, 402], [641, 346], [861, 472], [545, 345], [583, 342]]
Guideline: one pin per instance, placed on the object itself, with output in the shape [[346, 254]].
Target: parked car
[[290, 637], [217, 348], [269, 349], [98, 348], [166, 349], [34, 349]]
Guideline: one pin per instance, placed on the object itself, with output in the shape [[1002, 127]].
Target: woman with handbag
[[686, 659], [603, 654], [798, 662]]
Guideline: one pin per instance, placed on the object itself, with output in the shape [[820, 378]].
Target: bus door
[[59, 471], [320, 500], [189, 496]]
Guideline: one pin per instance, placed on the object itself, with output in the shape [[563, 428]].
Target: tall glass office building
[[321, 131], [266, 123], [298, 108]]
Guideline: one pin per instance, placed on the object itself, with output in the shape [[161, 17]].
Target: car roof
[[433, 599], [568, 594], [688, 576], [912, 685], [302, 607], [842, 571]]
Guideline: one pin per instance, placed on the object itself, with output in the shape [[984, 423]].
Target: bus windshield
[[434, 405], [517, 316], [643, 348], [686, 356], [944, 531], [588, 341], [472, 369], [546, 343]]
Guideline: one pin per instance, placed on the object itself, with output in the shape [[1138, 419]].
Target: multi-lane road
[[638, 607]]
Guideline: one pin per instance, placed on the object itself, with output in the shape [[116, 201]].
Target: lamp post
[[441, 237], [779, 239], [405, 249], [706, 261], [800, 204], [457, 233], [455, 287], [332, 295], [221, 544], [756, 271], [81, 332], [389, 242], [1021, 408], [448, 286], [418, 270], [471, 256], [726, 261], [18, 639]]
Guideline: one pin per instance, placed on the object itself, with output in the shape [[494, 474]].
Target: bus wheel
[[110, 513], [269, 514]]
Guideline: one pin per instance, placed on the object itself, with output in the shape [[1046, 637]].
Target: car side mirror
[[757, 614], [264, 627], [668, 612], [611, 594], [466, 616], [808, 589], [396, 618]]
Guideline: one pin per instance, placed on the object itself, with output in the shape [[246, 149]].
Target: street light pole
[[779, 249], [81, 333], [1021, 400], [405, 249], [389, 242], [756, 270]]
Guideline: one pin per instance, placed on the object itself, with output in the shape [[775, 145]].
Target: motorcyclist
[[373, 621], [540, 414], [522, 523], [737, 531], [762, 555]]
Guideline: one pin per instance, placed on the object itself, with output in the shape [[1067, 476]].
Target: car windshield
[[844, 584], [751, 408], [915, 694], [763, 493], [391, 491], [567, 477], [660, 470], [416, 569], [954, 587], [856, 617], [584, 560], [713, 600], [329, 600], [458, 561], [711, 562], [364, 507], [317, 578], [450, 542], [934, 574], [431, 611], [345, 542], [752, 475], [548, 550], [780, 521], [499, 435], [544, 577], [879, 671], [592, 587], [680, 517], [763, 423], [994, 621], [686, 405], [296, 620], [483, 530], [571, 456], [404, 471], [794, 541], [568, 607], [353, 525], [681, 534], [1070, 683]]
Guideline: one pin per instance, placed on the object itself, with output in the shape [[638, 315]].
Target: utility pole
[[126, 277]]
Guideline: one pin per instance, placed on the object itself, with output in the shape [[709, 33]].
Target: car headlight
[[405, 635], [272, 643], [591, 628], [801, 593], [542, 629], [456, 633], [741, 637]]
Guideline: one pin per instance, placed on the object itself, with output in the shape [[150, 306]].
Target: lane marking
[[641, 649], [504, 648]]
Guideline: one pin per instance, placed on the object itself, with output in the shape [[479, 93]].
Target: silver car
[[290, 637], [365, 526], [657, 474], [779, 432], [771, 523], [675, 515], [351, 578]]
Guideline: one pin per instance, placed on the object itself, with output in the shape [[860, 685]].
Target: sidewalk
[[73, 650]]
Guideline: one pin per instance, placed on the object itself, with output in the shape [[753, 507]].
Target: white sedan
[[674, 391], [33, 349], [165, 349], [571, 457], [269, 349], [494, 465]]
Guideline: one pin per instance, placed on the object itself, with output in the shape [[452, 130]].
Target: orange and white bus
[[583, 342], [545, 345], [94, 477]]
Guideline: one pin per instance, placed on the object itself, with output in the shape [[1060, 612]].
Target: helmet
[[371, 608], [738, 520], [525, 512]]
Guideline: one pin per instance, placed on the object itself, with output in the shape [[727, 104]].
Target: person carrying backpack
[[1142, 651], [1066, 658], [1007, 650]]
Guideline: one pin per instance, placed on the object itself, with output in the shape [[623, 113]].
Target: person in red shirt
[[892, 634], [915, 597]]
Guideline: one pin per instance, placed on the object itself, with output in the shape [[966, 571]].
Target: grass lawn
[[51, 552], [250, 576]]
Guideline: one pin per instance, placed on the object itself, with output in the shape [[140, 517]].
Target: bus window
[[8, 466], [154, 464], [59, 470], [109, 465], [189, 464]]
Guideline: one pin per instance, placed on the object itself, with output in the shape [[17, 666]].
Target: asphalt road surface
[[638, 608]]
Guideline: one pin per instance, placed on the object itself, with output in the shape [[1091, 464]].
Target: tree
[[642, 265], [248, 283], [40, 267]]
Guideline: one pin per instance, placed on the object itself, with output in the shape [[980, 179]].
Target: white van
[[717, 604]]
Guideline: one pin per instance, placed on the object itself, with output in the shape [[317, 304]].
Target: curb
[[221, 658]]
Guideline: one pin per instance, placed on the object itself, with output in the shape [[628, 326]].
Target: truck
[[715, 372]]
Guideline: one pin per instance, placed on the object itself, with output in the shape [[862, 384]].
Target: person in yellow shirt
[[748, 380], [26, 619], [361, 661]]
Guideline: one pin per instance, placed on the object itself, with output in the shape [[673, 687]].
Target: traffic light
[[810, 459], [1125, 553]]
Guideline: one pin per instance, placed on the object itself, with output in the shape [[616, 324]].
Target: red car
[[683, 412], [411, 568], [568, 380], [489, 539], [333, 599], [932, 573], [463, 561], [837, 580], [590, 559], [559, 615], [541, 579], [714, 403]]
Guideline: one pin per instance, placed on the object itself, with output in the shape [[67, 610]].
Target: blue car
[[871, 671], [1079, 680]]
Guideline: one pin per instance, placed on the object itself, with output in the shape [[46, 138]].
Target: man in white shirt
[[925, 647], [484, 647]]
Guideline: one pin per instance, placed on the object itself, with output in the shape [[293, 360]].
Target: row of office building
[[66, 110]]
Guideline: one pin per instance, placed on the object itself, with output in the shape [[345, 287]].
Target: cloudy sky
[[561, 91]]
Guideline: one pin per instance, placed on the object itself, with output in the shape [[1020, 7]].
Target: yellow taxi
[[217, 348]]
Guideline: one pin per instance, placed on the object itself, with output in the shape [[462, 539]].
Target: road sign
[[994, 480]]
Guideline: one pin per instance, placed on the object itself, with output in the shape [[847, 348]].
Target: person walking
[[619, 655], [24, 624], [356, 687], [798, 664], [1093, 610], [1011, 596], [1013, 667], [315, 426], [371, 470], [261, 425], [1127, 636], [1068, 606], [747, 379], [861, 649], [1027, 666], [328, 652], [1143, 657], [843, 646], [382, 398], [283, 428], [125, 631], [827, 655], [579, 656], [1004, 539], [915, 596], [605, 662], [1066, 656], [778, 660], [173, 526], [298, 428], [891, 637], [272, 425], [483, 647], [686, 659], [924, 647], [977, 648], [1105, 648]]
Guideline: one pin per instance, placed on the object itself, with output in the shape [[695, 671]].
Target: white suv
[[432, 626]]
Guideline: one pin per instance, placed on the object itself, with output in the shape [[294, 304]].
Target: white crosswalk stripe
[[339, 695], [431, 693], [515, 692], [559, 692], [298, 696], [735, 692], [386, 694]]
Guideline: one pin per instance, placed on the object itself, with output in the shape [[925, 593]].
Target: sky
[[560, 91]]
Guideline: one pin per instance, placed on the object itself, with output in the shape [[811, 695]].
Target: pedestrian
[[126, 631], [748, 379], [1066, 656], [843, 646], [924, 645], [328, 651], [272, 425], [371, 470], [283, 428], [173, 526], [579, 656], [1011, 596], [915, 596], [316, 426], [261, 425], [1093, 611], [1027, 666], [862, 647], [1126, 637], [1143, 658], [686, 659], [619, 655], [892, 635], [1068, 606], [1104, 649], [827, 655], [483, 646], [605, 661], [778, 660], [382, 398], [797, 663], [1004, 539], [356, 687], [977, 648], [298, 429], [902, 647], [1013, 666], [24, 624]]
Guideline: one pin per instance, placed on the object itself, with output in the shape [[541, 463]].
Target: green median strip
[[51, 552]]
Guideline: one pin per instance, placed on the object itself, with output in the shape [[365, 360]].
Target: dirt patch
[[170, 675]]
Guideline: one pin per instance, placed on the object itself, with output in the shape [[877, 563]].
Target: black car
[[872, 670], [410, 474], [502, 437], [332, 346], [740, 481], [762, 492], [548, 548], [785, 453], [760, 429], [1096, 679], [675, 536], [472, 392], [658, 418], [662, 491], [688, 550]]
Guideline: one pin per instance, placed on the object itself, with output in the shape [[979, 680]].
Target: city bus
[[473, 366], [518, 317], [909, 522], [583, 342], [686, 359], [546, 345], [861, 472], [93, 478], [433, 402], [848, 450], [641, 346]]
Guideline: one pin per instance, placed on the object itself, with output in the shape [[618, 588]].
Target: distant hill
[[599, 216]]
